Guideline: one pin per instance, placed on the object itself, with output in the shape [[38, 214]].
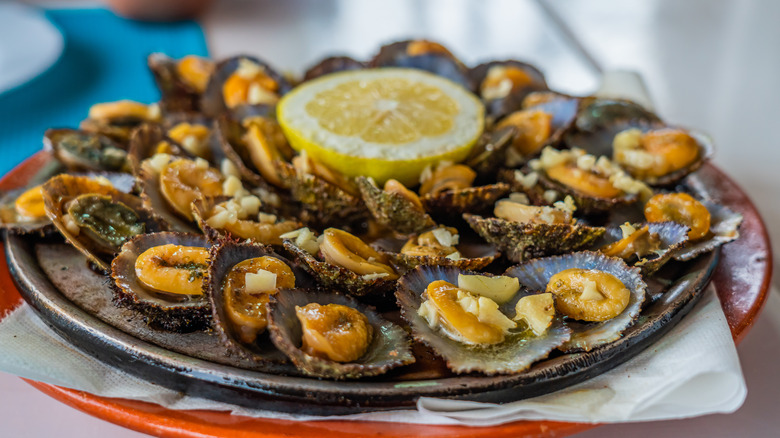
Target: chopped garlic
[[233, 187], [248, 69], [302, 163], [500, 288], [429, 313], [228, 168], [200, 163], [622, 181], [454, 256], [552, 157], [71, 225], [153, 112], [627, 229], [590, 291], [445, 238], [265, 218], [514, 158], [194, 145], [550, 196], [489, 314], [628, 139], [102, 180], [304, 239], [519, 198], [257, 95], [158, 162], [267, 197], [262, 281], [219, 219], [537, 311], [567, 205], [499, 91], [426, 174], [627, 149], [527, 181], [586, 162], [372, 277], [250, 205], [605, 167]]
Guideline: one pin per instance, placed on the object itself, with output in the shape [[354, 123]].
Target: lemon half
[[383, 123]]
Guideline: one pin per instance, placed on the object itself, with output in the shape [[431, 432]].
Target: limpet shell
[[213, 103], [160, 310], [522, 241], [324, 204], [333, 64], [176, 94], [473, 256], [393, 210], [375, 290], [469, 200], [223, 257], [498, 108], [389, 347], [516, 354], [394, 55], [61, 142], [536, 273], [61, 189]]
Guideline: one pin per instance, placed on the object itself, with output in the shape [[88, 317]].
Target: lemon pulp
[[383, 123]]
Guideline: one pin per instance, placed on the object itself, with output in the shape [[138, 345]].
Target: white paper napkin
[[693, 370]]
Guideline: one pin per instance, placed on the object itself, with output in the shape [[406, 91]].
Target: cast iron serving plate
[[194, 363]]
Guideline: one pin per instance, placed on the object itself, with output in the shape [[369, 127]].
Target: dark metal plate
[[194, 363]]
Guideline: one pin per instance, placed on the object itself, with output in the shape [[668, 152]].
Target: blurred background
[[708, 64]]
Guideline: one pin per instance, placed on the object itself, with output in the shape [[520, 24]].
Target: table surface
[[708, 64]]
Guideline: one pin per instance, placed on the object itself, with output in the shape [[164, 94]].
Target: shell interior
[[389, 347], [516, 354], [535, 274]]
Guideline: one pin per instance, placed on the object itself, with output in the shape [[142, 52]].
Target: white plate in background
[[29, 44]]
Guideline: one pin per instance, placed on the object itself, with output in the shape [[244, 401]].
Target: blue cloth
[[104, 60]]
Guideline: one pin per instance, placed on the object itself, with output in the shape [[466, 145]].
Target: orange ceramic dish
[[743, 278]]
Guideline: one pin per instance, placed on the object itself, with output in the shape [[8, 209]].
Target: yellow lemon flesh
[[382, 123]]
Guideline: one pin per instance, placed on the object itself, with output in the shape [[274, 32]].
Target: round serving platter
[[207, 379]]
